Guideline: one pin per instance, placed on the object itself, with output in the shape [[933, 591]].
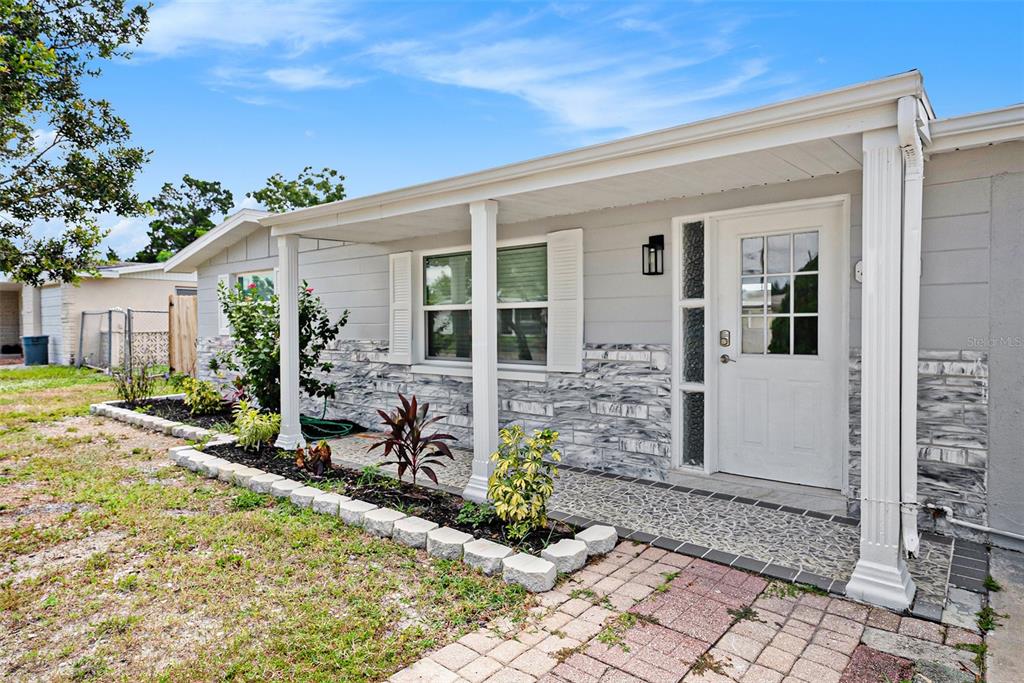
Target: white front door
[[779, 305]]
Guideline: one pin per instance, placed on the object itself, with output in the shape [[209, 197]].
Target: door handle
[[726, 358]]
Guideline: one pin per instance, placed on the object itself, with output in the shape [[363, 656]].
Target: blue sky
[[392, 94]]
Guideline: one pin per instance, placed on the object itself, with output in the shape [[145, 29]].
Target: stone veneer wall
[[952, 437], [613, 416]]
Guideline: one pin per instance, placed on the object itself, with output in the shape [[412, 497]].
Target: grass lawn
[[116, 565]]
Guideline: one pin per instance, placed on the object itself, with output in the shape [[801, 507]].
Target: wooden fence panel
[[182, 332]]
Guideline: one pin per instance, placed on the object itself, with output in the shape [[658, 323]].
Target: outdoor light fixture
[[653, 254]]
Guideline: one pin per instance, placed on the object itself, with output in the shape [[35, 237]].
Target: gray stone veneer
[[615, 415], [952, 437]]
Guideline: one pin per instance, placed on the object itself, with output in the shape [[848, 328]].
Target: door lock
[[724, 338], [725, 358]]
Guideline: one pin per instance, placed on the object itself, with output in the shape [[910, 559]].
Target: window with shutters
[[522, 305]]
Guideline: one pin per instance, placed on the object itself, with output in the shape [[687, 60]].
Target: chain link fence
[[123, 338]]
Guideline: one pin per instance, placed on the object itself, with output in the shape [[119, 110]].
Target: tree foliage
[[184, 214], [310, 188], [254, 322], [64, 157]]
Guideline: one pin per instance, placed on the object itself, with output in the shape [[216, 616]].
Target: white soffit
[[233, 228]]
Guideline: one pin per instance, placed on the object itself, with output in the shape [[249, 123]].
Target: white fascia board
[[853, 109], [231, 229], [977, 130]]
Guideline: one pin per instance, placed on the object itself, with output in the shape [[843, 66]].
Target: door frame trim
[[710, 305]]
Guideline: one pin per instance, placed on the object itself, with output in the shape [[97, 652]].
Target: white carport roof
[[794, 140]]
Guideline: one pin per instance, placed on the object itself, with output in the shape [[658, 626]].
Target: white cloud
[[286, 78], [308, 78], [127, 235], [584, 85], [182, 26]]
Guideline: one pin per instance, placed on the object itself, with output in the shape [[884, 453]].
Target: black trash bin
[[37, 350]]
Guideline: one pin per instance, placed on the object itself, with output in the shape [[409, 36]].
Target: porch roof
[[793, 140]]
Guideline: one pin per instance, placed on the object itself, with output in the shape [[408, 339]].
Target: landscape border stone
[[532, 572]]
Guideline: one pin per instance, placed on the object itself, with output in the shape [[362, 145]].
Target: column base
[[882, 584], [476, 489], [289, 442]]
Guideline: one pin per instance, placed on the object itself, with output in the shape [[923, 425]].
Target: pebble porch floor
[[819, 546], [643, 614]]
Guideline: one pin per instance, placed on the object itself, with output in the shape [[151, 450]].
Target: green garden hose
[[315, 428]]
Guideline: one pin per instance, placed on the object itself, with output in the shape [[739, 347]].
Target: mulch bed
[[437, 506], [176, 410]]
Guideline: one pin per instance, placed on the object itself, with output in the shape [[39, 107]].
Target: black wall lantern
[[653, 254]]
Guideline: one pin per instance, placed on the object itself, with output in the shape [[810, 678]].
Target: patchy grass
[[115, 565]]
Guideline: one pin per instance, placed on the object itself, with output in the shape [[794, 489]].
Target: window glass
[[523, 335], [259, 284], [523, 274], [779, 309], [449, 334], [447, 279]]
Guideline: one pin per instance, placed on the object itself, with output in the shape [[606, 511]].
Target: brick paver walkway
[[641, 614]]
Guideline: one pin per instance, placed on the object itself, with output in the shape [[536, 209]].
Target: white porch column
[[287, 287], [484, 229], [881, 576]]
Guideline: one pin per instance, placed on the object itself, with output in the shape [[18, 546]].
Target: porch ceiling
[[799, 161]]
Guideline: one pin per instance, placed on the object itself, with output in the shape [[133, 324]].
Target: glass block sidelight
[[691, 350], [693, 260], [693, 345], [693, 429]]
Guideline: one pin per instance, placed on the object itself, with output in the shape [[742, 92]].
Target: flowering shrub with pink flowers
[[253, 319]]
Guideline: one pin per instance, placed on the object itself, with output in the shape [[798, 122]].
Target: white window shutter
[[223, 281], [400, 308], [565, 301]]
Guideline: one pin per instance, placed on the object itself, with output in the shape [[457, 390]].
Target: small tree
[[256, 354], [184, 214], [310, 188]]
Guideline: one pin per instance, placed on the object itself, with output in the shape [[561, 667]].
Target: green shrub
[[523, 479], [253, 318], [133, 384], [475, 515], [255, 428], [201, 397]]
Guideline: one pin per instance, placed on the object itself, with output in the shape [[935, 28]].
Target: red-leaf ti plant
[[409, 444]]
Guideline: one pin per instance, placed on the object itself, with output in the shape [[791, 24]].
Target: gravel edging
[[535, 574]]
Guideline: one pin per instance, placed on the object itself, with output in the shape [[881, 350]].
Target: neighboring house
[[836, 317], [55, 309], [10, 320]]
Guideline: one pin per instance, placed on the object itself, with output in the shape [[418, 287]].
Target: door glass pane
[[805, 292], [693, 429], [446, 279], [693, 260], [449, 334], [753, 295], [523, 274], [778, 334], [779, 301], [693, 344], [805, 335], [523, 335], [778, 254], [752, 331], [805, 251], [753, 255]]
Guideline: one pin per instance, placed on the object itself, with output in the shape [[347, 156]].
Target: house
[[821, 296], [55, 309]]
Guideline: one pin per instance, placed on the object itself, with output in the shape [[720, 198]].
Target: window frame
[[238, 278], [421, 360]]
